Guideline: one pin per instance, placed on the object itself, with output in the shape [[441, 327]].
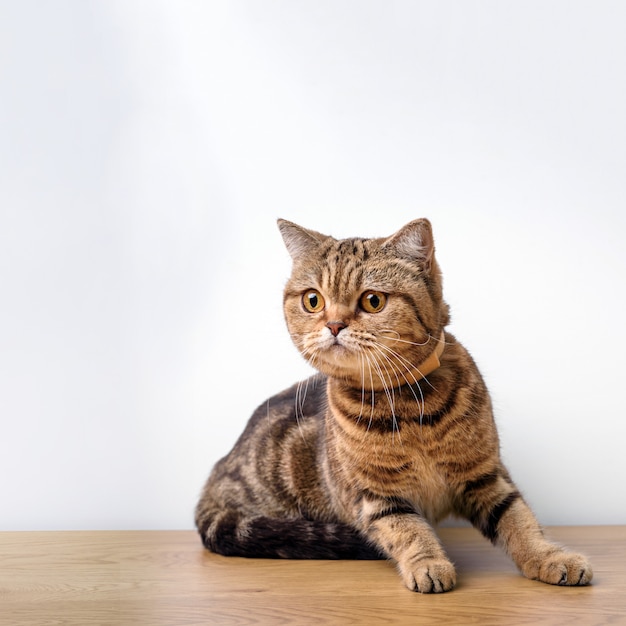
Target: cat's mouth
[[338, 354], [336, 349], [336, 344]]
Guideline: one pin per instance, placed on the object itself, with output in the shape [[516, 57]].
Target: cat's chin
[[338, 361]]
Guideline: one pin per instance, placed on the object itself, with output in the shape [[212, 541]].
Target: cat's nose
[[335, 327]]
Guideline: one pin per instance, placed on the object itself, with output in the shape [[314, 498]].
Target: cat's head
[[369, 311]]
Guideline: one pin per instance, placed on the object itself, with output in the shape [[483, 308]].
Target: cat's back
[[275, 466], [303, 402], [293, 416]]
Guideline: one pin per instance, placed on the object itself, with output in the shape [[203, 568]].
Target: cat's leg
[[494, 505], [404, 535]]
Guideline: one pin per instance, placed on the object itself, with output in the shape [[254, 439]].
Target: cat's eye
[[313, 301], [373, 301]]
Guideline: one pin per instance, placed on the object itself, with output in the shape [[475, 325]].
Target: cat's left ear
[[415, 241], [300, 242]]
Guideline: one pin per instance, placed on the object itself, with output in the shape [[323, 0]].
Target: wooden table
[[166, 577]]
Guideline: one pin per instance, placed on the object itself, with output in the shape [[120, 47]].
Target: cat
[[392, 435]]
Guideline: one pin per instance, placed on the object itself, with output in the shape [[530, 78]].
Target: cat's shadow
[[472, 553]]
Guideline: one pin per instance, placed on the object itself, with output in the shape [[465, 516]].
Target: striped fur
[[361, 459]]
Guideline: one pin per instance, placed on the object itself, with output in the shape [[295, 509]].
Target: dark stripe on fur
[[480, 483], [382, 425], [395, 506], [411, 302], [378, 472], [459, 468], [489, 527], [432, 419], [347, 249], [385, 426]]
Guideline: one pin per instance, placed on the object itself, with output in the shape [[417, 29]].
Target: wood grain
[[167, 578]]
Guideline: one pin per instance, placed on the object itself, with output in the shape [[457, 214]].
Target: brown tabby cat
[[395, 433]]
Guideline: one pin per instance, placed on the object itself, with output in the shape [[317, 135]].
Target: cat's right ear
[[300, 242]]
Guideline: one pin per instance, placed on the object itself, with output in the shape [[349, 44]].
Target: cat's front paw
[[429, 576], [561, 568]]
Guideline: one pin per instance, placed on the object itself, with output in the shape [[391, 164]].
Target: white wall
[[146, 149]]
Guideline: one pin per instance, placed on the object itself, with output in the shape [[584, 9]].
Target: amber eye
[[373, 301], [313, 301]]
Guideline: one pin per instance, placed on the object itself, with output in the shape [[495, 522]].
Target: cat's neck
[[399, 378], [432, 362]]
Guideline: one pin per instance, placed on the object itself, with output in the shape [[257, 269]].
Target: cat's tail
[[232, 534]]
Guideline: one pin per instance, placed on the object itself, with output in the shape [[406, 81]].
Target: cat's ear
[[414, 241], [300, 242]]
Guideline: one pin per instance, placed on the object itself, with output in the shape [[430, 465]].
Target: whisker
[[409, 366], [310, 354], [299, 404], [407, 370], [429, 337], [378, 347], [400, 340], [362, 364], [390, 393], [373, 403]]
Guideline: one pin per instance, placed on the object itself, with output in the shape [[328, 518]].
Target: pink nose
[[335, 327]]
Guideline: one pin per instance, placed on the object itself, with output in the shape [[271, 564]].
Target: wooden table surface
[[166, 577]]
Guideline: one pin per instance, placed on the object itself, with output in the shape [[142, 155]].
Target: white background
[[146, 150]]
